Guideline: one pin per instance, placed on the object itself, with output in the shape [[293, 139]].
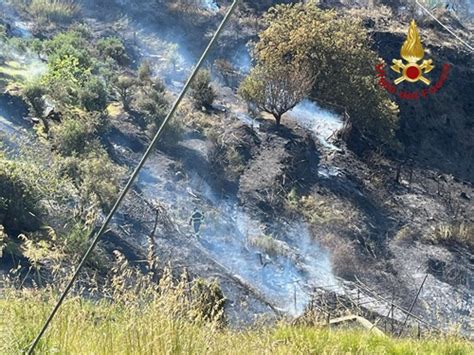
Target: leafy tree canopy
[[337, 49]]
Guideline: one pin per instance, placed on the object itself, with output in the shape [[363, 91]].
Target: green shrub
[[71, 68], [93, 95], [76, 240], [95, 176], [64, 78], [101, 178], [113, 47], [124, 86], [20, 208], [74, 42], [71, 137], [152, 104], [201, 90], [36, 45], [33, 94], [144, 73]]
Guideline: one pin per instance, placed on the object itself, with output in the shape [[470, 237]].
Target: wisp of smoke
[[282, 267], [242, 60], [322, 123], [210, 5]]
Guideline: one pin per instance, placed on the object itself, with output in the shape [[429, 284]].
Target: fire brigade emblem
[[412, 52]]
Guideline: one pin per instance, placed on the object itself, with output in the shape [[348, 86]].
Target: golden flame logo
[[412, 51]]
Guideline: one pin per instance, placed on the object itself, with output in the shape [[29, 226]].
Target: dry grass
[[318, 211], [60, 11], [139, 316], [84, 327], [269, 245], [461, 233], [406, 233], [195, 119], [344, 256]]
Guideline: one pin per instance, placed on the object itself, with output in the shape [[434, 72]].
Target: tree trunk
[[277, 119]]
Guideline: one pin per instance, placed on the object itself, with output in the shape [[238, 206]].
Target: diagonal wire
[[445, 27], [134, 175]]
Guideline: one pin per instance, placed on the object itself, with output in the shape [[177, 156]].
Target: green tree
[[114, 48], [277, 88], [93, 94], [201, 90], [337, 49]]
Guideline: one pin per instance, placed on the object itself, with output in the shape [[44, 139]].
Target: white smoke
[[284, 277], [322, 123], [210, 5]]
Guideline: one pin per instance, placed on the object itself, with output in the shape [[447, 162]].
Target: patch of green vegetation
[[35, 203], [20, 196], [69, 100], [310, 42], [163, 320], [113, 47]]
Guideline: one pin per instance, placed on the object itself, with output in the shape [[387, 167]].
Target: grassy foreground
[[83, 327]]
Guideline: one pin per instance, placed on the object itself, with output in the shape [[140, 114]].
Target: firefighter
[[197, 218]]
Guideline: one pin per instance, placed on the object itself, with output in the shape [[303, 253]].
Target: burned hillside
[[289, 185]]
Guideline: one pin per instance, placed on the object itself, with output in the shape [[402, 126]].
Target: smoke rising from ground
[[322, 123], [283, 267]]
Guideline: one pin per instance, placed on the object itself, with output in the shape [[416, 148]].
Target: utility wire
[[134, 175], [445, 27]]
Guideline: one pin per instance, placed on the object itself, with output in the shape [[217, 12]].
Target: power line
[[445, 27], [134, 176]]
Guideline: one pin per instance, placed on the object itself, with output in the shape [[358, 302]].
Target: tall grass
[[83, 327], [59, 11], [457, 232], [139, 317], [135, 314]]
